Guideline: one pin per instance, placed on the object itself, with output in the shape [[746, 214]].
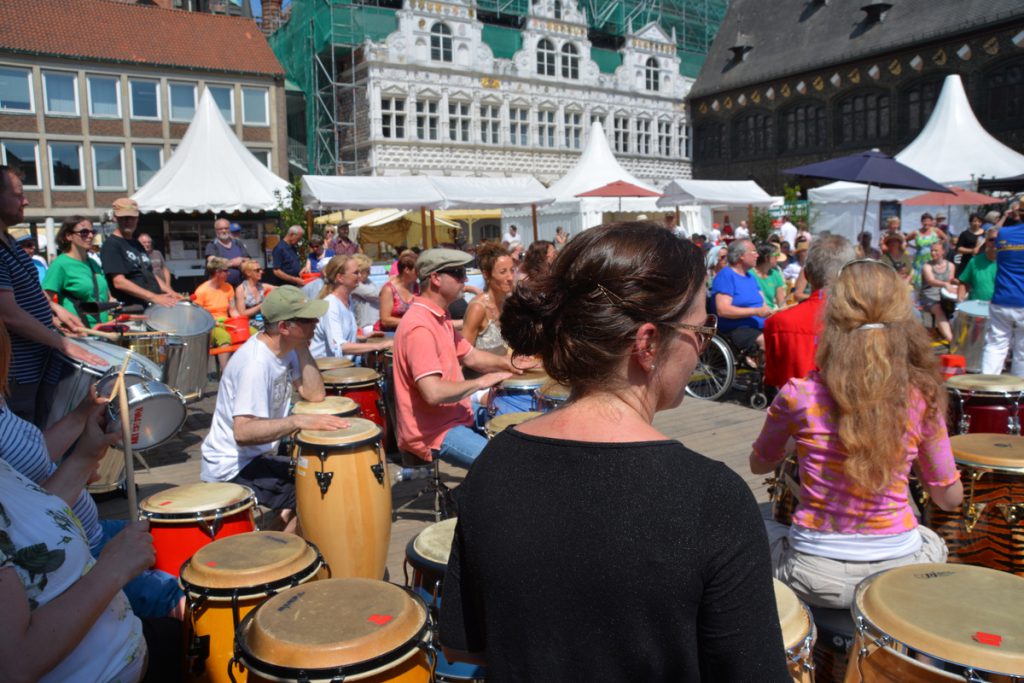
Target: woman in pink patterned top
[[874, 410]]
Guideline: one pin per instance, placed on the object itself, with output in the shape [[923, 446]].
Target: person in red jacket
[[791, 335]]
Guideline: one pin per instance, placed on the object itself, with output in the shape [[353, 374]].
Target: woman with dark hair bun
[[539, 257], [589, 545]]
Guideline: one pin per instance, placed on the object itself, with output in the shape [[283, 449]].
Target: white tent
[[429, 192], [211, 171], [702, 197], [491, 193], [953, 149]]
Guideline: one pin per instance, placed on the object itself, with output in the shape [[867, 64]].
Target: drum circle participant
[[73, 277], [337, 333], [875, 408], [621, 318]]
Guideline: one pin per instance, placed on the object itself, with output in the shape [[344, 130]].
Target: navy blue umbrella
[[870, 168]]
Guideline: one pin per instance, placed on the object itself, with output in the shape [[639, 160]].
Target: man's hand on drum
[[80, 353], [491, 378], [92, 407], [325, 423], [129, 553], [166, 299]]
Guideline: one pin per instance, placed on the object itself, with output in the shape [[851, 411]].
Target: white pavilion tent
[[707, 196], [211, 171], [953, 149]]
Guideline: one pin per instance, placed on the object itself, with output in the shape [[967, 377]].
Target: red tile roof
[[109, 31]]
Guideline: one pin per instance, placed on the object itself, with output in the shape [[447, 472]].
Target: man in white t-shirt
[[742, 231], [511, 238], [788, 231], [252, 403]]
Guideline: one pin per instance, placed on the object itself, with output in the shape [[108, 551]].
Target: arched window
[[570, 62], [1003, 99], [916, 105], [803, 127], [652, 75], [863, 117], [440, 43], [753, 135], [708, 142], [545, 58]]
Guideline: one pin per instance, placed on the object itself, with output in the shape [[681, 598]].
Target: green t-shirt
[[980, 278], [769, 286], [72, 280]]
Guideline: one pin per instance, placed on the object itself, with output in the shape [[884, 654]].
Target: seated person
[[217, 296], [337, 334], [857, 433], [251, 414], [791, 336], [434, 416], [737, 297]]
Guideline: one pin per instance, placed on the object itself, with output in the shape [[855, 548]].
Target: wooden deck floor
[[722, 431]]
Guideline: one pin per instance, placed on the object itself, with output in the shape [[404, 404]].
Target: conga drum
[[517, 393], [427, 555], [363, 386], [784, 490], [988, 529], [984, 403], [967, 619], [330, 363], [500, 423], [343, 497], [798, 634], [552, 395], [224, 581], [185, 518], [337, 630], [339, 406]]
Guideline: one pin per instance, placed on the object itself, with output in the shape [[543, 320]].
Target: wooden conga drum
[[343, 496], [330, 363], [339, 406], [798, 633]]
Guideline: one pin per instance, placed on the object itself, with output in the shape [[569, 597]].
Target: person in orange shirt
[[217, 296]]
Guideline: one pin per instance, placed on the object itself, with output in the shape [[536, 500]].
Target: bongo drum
[[984, 403], [185, 518], [363, 386], [500, 423], [427, 553], [798, 633], [958, 615], [835, 631], [224, 581], [517, 393], [340, 406], [552, 395], [329, 363], [337, 630], [343, 497], [988, 529], [784, 490]]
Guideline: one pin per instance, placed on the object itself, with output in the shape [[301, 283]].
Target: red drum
[[363, 386], [987, 404], [185, 518]]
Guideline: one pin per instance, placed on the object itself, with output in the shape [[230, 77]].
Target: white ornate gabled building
[[447, 93]]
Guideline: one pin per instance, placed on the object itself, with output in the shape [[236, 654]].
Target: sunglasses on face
[[457, 273], [83, 233], [703, 333], [304, 321]]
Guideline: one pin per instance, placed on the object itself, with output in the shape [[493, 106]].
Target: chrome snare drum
[[989, 404], [969, 332], [188, 345]]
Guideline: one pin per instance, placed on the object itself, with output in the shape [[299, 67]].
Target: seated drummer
[[434, 417], [252, 403], [738, 301], [337, 334]]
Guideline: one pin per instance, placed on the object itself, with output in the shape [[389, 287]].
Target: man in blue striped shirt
[[29, 315]]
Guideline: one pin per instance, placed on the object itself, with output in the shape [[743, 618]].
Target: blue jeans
[[152, 593], [461, 446]]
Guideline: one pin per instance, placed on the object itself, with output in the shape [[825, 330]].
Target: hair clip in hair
[[872, 326], [611, 296]]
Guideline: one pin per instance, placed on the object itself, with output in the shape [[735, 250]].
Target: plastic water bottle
[[413, 473], [258, 321]]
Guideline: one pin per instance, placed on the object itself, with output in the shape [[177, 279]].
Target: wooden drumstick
[[126, 441], [120, 376]]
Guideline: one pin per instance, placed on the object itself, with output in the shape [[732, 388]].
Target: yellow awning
[[468, 214], [348, 215]]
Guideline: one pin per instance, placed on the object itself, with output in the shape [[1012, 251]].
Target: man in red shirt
[[791, 335]]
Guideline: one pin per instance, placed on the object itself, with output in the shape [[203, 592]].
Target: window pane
[[103, 96], [254, 106], [224, 97], [107, 162], [147, 163], [22, 155], [145, 103], [263, 155], [15, 92], [60, 93], [183, 101], [65, 164]]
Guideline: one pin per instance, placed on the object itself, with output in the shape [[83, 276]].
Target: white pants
[[1005, 328]]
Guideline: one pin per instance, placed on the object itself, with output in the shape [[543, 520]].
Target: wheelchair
[[722, 368]]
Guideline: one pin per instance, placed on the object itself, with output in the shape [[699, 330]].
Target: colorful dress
[[923, 245]]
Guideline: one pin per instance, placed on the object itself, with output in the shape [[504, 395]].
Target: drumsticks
[[120, 376]]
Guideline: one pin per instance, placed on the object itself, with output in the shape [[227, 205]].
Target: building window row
[[61, 97]]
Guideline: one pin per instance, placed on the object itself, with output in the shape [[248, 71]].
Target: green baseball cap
[[288, 302]]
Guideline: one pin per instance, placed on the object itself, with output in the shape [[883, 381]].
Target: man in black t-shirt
[[128, 268]]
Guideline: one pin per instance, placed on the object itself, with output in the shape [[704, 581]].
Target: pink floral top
[[829, 502]]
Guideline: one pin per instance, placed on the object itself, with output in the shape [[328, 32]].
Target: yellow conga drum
[[343, 497], [500, 423], [337, 630], [341, 406], [329, 363], [798, 633], [226, 579]]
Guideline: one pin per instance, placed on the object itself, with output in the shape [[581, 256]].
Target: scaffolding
[[320, 48]]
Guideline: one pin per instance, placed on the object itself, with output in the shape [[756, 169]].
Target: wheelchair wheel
[[714, 374], [758, 400]]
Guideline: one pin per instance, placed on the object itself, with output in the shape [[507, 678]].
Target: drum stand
[[443, 507]]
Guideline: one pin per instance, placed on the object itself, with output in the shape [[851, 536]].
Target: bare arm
[[482, 361], [288, 278], [365, 347], [17, 320], [437, 391], [723, 304], [474, 322], [123, 284], [311, 383], [387, 306], [948, 497], [252, 431], [780, 296], [800, 287]]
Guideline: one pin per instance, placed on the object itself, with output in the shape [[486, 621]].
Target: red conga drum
[[363, 386]]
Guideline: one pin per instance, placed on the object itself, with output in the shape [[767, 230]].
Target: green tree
[[289, 206]]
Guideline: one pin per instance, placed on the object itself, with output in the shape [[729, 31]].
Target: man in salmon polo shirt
[[432, 397]]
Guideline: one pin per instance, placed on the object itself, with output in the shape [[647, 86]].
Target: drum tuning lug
[[1012, 512], [198, 653], [972, 516], [324, 481], [771, 482], [378, 471]]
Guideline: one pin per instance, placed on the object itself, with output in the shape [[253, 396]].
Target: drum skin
[[362, 385], [988, 529], [350, 521], [797, 632]]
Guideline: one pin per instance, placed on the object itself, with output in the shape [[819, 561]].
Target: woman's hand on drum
[[325, 423], [80, 353], [129, 553]]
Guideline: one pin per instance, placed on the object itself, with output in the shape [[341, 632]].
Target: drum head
[[331, 405], [184, 502], [531, 379], [947, 611], [333, 363], [986, 383], [333, 623], [347, 376], [435, 542], [555, 391], [999, 451], [503, 422], [250, 560], [182, 319], [792, 615], [979, 309], [358, 432]]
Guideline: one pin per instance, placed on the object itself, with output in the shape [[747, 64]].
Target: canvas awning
[[428, 192], [714, 193]]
